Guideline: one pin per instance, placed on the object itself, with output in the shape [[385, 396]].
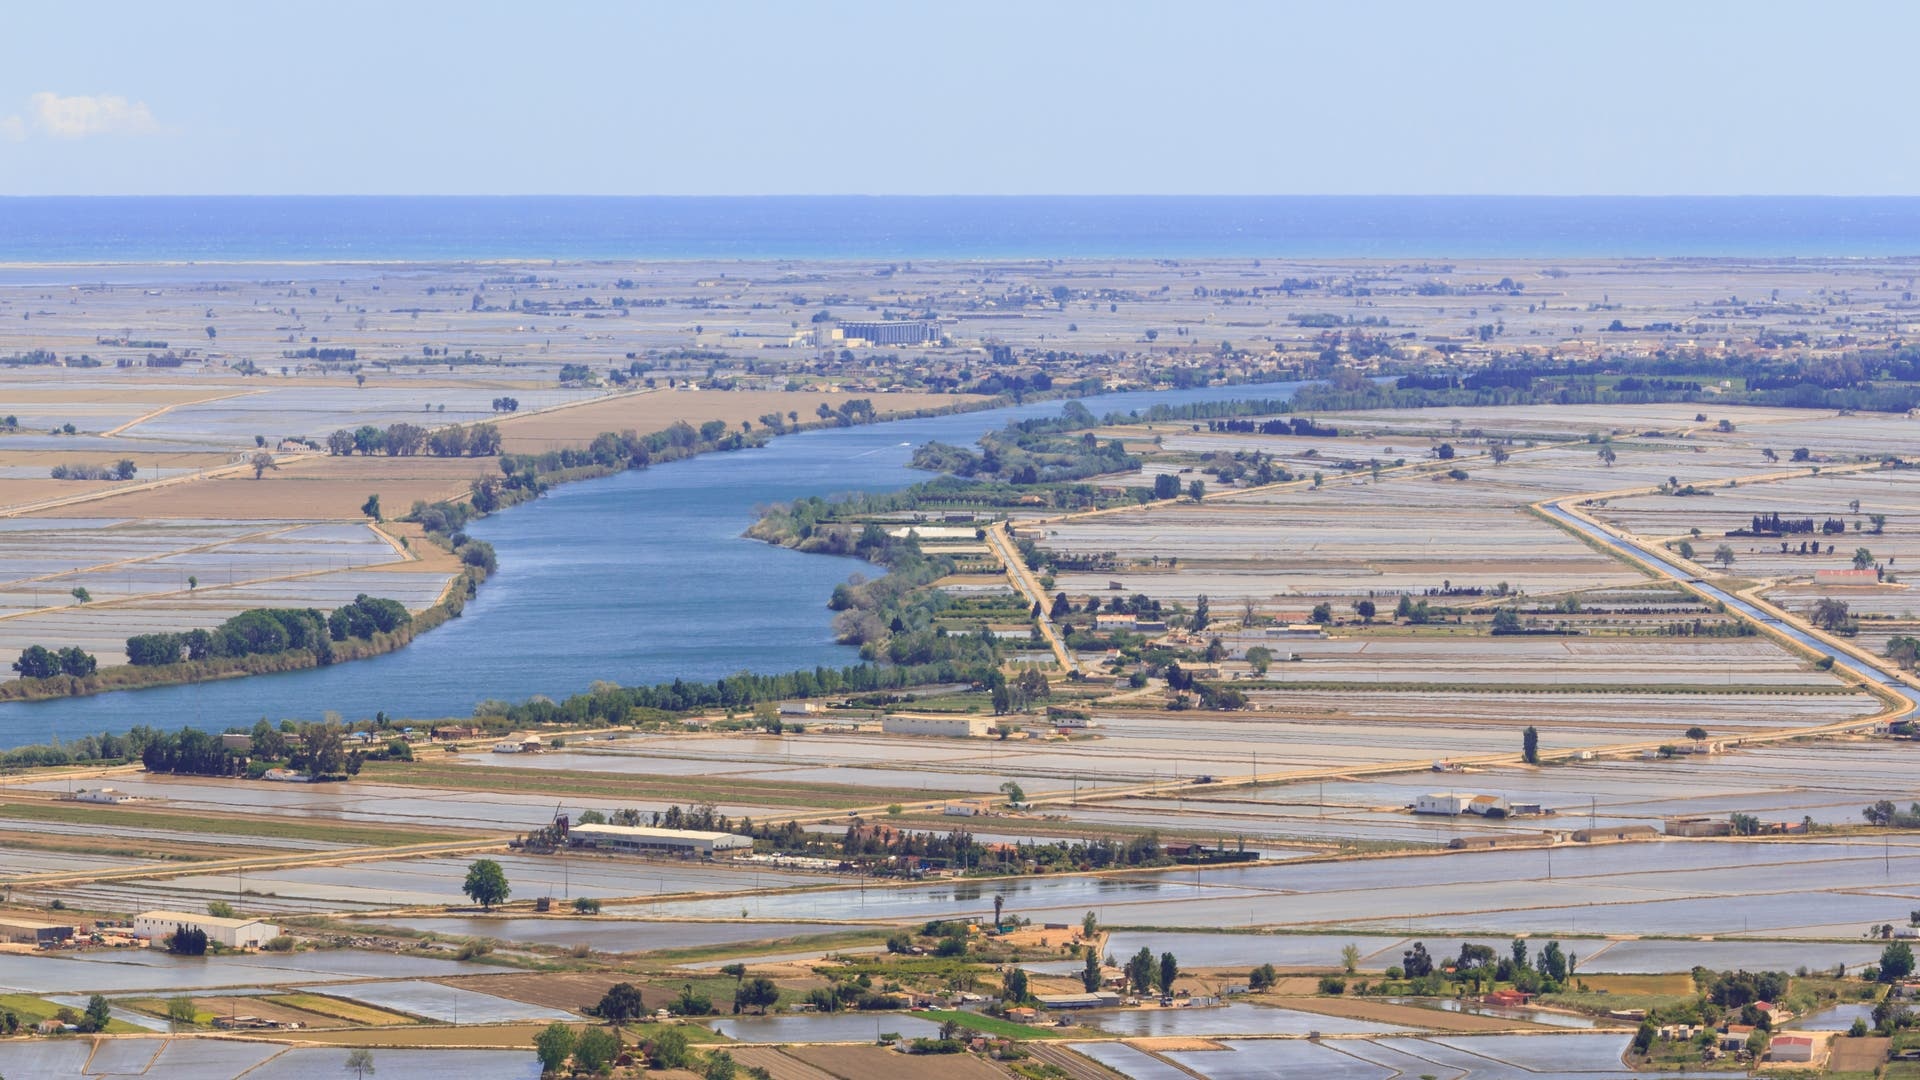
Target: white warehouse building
[[228, 933], [956, 727], [639, 838]]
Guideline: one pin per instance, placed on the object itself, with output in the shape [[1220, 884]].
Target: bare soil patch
[[879, 1063], [303, 490]]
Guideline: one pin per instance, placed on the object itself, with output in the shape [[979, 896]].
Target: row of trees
[[270, 631], [407, 440], [124, 469], [40, 662]]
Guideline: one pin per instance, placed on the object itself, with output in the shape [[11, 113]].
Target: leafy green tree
[[595, 1049], [220, 909], [1530, 745], [1014, 792], [620, 1003], [1350, 958], [1089, 925], [1013, 985], [486, 883], [1140, 970], [1090, 974], [1862, 558], [1366, 610], [1896, 962], [1197, 490], [371, 507], [99, 1013], [37, 662], [1262, 977], [180, 1012], [720, 1066], [1169, 971], [758, 992], [1166, 486], [1259, 658], [553, 1046], [670, 1050]]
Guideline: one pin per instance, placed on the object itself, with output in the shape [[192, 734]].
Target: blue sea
[[436, 228]]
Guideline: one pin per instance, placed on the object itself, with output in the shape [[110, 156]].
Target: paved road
[[1844, 656]]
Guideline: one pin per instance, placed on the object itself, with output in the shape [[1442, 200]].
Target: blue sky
[[421, 97]]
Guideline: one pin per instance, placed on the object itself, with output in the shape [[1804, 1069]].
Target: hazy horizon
[[992, 98]]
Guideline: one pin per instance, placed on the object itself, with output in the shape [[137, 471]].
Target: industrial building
[[22, 931], [157, 926], [957, 727], [651, 841], [887, 333]]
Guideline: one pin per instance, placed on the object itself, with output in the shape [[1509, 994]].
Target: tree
[[1197, 490], [1896, 963], [758, 992], [1140, 970], [81, 595], [180, 1012], [324, 746], [1350, 958], [261, 462], [1498, 453], [669, 1050], [220, 909], [1014, 792], [1169, 971], [1202, 612], [620, 1003], [1830, 614], [721, 1066], [1684, 550], [1724, 556], [99, 1012], [37, 662], [1090, 974], [1262, 977], [1862, 558], [595, 1050], [1607, 456], [124, 469], [1416, 962], [1366, 610], [1013, 985], [486, 883], [1530, 745], [999, 905], [371, 507], [553, 1046], [1166, 486], [1322, 613], [77, 662], [1089, 925], [1259, 658], [1697, 733], [360, 1061], [1062, 607]]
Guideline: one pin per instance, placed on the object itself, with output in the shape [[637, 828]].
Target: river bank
[[639, 577]]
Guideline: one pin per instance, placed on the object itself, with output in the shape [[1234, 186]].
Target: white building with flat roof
[[954, 727], [1446, 803], [647, 840], [230, 933]]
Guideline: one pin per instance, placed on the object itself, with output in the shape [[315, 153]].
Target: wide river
[[638, 578]]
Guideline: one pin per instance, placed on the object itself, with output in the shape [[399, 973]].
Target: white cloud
[[79, 117]]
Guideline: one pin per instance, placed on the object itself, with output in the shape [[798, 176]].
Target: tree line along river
[[636, 578]]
